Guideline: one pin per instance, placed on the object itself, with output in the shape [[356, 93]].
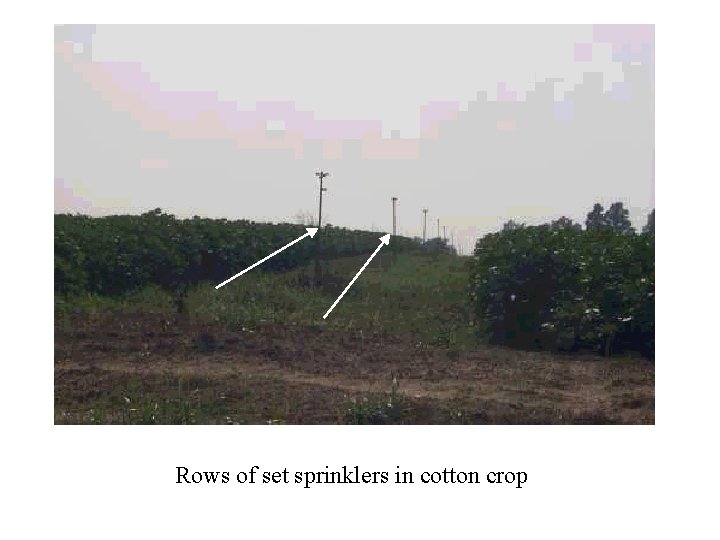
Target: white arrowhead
[[310, 231], [383, 240]]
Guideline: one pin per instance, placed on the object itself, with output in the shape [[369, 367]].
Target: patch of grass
[[423, 296], [390, 409], [420, 295], [181, 401], [150, 299], [120, 398], [170, 400], [256, 300]]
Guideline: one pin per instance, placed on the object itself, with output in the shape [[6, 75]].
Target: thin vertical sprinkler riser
[[394, 202], [425, 211]]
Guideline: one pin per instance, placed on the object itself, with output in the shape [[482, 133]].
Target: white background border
[[584, 481]]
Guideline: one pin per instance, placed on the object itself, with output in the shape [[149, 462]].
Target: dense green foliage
[[119, 254], [553, 286], [560, 287]]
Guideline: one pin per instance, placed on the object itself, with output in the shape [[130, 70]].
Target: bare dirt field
[[143, 368]]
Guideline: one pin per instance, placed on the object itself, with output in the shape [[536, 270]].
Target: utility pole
[[318, 270], [394, 201], [425, 211], [438, 220], [321, 175], [444, 233]]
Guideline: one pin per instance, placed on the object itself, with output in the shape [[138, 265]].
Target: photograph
[[344, 224]]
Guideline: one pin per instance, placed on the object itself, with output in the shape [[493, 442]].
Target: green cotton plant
[[115, 255], [559, 287], [519, 274]]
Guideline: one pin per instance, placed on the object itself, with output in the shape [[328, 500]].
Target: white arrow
[[383, 240], [310, 232]]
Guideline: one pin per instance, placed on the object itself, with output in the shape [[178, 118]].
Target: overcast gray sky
[[479, 124]]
